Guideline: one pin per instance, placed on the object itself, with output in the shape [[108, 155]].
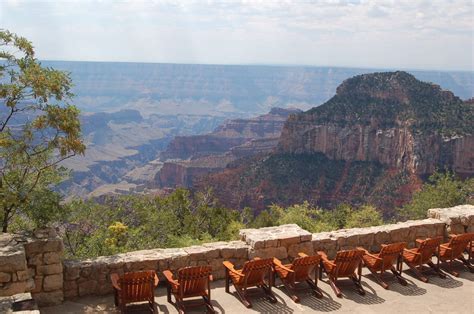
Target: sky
[[397, 34]]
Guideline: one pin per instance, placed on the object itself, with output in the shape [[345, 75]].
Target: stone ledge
[[271, 237], [458, 219]]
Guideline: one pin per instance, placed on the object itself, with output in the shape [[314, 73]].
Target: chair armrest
[[169, 277], [114, 278], [362, 249], [211, 278], [445, 246], [411, 252], [419, 241], [230, 267], [156, 280], [301, 254], [373, 256], [278, 263], [325, 259]]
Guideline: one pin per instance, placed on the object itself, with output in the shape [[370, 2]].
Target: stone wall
[[34, 264]]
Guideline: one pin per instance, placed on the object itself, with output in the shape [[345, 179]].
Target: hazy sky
[[389, 34]]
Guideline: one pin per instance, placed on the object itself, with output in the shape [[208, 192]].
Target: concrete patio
[[451, 295]]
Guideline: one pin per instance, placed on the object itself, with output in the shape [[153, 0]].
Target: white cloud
[[434, 34]]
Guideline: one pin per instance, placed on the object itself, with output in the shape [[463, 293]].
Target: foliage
[[441, 190], [366, 216], [38, 129]]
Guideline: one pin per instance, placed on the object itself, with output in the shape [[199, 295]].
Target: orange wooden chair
[[454, 249], [299, 271], [417, 257], [379, 263], [345, 264], [135, 287], [255, 273], [191, 282]]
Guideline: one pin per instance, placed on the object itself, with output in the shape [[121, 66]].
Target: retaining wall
[[35, 262]]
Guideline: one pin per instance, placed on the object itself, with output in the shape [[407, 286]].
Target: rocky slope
[[372, 142], [188, 158]]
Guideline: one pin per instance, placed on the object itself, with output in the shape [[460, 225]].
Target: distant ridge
[[223, 90]]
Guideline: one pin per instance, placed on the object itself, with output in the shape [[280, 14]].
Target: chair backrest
[[347, 262], [137, 286], [390, 252], [428, 248], [458, 243], [303, 266], [194, 280], [256, 270]]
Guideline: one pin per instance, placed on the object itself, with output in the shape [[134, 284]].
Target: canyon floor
[[451, 295]]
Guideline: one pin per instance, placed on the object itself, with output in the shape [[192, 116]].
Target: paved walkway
[[451, 295]]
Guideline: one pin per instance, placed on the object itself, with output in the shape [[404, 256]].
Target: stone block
[[304, 247], [36, 259], [70, 285], [5, 277], [49, 269], [12, 288], [12, 258], [326, 242], [278, 252], [87, 287], [38, 284], [71, 271], [49, 298], [199, 253], [53, 282], [52, 258], [25, 274], [70, 294]]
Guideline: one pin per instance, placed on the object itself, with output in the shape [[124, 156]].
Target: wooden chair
[[191, 282], [299, 271], [135, 287], [345, 264], [417, 257], [454, 249], [255, 273], [378, 263]]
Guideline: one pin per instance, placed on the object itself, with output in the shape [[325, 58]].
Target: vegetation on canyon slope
[[134, 222]]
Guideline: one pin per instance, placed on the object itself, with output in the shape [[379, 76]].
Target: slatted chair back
[[347, 262], [458, 244], [389, 254], [427, 249], [194, 281], [137, 287], [304, 266], [256, 270]]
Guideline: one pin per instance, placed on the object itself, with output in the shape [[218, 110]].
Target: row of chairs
[[192, 282]]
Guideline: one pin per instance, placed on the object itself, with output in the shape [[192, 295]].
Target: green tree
[[39, 128], [366, 216], [441, 190]]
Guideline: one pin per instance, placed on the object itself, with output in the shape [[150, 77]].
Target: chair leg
[[269, 293], [227, 279], [336, 290], [467, 264], [291, 291], [116, 297], [418, 273], [398, 274], [243, 297], [210, 308], [449, 269], [379, 279], [315, 288], [168, 291], [437, 270], [358, 285]]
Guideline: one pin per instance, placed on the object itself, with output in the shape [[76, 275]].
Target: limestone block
[[12, 288], [36, 259], [49, 269], [5, 277], [178, 262], [25, 274], [52, 258], [70, 294], [326, 242], [44, 245], [12, 258], [278, 252], [70, 285], [72, 270], [304, 247], [30, 284], [53, 282], [38, 284], [87, 287], [49, 298], [197, 253]]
